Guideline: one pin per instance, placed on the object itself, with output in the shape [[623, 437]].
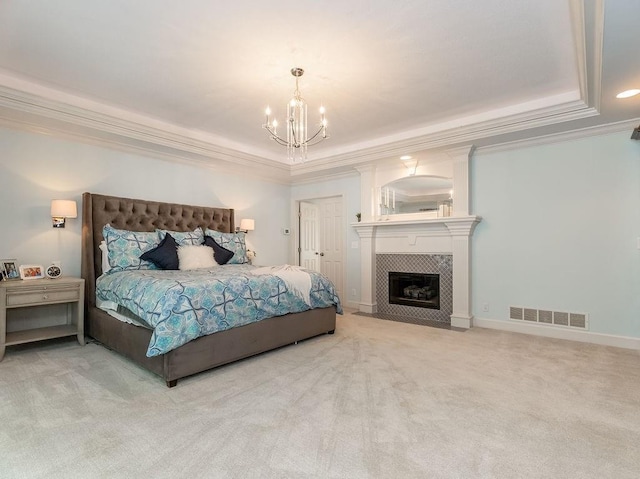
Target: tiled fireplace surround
[[429, 237], [439, 264]]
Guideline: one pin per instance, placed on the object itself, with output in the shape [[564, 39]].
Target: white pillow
[[105, 257], [196, 257]]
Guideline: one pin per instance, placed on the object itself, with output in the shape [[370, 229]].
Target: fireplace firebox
[[421, 290]]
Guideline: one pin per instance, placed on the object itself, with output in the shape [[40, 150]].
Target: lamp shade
[[64, 209], [247, 224]]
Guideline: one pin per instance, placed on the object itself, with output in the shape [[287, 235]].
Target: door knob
[[321, 254]]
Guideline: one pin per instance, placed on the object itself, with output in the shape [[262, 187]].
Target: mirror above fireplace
[[427, 194]]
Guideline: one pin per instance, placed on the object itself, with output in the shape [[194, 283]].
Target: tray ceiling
[[395, 77]]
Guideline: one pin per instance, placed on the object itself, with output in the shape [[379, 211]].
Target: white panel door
[[332, 242], [309, 236]]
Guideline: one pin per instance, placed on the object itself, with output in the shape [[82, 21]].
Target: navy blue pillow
[[165, 255], [220, 254]]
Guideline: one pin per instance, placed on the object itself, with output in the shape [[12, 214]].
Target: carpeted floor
[[379, 399]]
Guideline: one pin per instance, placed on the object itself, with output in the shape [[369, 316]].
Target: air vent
[[550, 318], [515, 313]]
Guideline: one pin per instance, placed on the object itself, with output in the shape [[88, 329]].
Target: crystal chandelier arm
[[281, 141], [324, 135], [274, 136]]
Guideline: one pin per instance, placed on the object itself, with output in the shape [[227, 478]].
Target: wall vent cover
[[550, 318]]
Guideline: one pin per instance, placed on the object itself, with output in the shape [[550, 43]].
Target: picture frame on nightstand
[[9, 269], [31, 271]]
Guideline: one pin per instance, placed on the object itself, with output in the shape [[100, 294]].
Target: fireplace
[[421, 290]]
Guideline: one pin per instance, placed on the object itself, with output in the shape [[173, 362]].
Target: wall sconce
[[61, 210], [246, 225], [410, 164]]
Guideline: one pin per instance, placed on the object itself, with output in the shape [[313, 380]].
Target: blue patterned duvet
[[183, 305]]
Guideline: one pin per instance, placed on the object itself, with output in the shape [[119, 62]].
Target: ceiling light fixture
[[628, 93], [298, 138], [410, 164]]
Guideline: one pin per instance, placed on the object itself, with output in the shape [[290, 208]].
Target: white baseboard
[[369, 308], [351, 304], [537, 329], [462, 322]]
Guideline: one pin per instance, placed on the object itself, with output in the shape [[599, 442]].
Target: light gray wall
[[560, 231], [34, 169]]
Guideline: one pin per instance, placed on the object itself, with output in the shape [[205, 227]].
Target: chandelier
[[298, 137]]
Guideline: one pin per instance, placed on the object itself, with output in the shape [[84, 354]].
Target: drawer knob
[[45, 296]]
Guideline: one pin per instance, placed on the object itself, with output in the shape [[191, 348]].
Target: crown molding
[[20, 110], [307, 173], [588, 32], [35, 114], [327, 176], [271, 173], [61, 113], [533, 114], [599, 130], [454, 136]]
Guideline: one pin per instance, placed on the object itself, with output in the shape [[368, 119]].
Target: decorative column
[[367, 235], [367, 183], [461, 232], [461, 157]]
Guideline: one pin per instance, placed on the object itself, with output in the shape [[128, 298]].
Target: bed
[[205, 352]]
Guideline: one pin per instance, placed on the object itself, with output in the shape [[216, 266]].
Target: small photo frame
[[9, 269], [31, 271]]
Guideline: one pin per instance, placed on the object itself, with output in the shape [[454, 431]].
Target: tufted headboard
[[138, 215]]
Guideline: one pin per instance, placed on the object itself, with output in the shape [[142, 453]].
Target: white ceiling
[[397, 77]]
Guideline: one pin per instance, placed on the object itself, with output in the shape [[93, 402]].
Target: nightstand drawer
[[43, 296]]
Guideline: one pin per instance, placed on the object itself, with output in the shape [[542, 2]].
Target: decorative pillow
[[194, 237], [125, 248], [196, 257], [220, 254], [165, 255], [105, 257], [233, 242]]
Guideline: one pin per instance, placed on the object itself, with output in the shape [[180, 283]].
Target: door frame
[[294, 243]]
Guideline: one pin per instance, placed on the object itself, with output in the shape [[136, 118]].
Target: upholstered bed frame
[[200, 354]]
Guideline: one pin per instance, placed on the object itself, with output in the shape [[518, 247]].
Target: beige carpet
[[378, 399]]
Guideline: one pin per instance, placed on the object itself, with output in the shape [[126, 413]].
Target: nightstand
[[25, 306]]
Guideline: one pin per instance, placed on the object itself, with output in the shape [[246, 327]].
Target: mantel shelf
[[418, 221]]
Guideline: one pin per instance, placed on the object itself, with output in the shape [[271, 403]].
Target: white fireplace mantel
[[450, 235], [419, 234]]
